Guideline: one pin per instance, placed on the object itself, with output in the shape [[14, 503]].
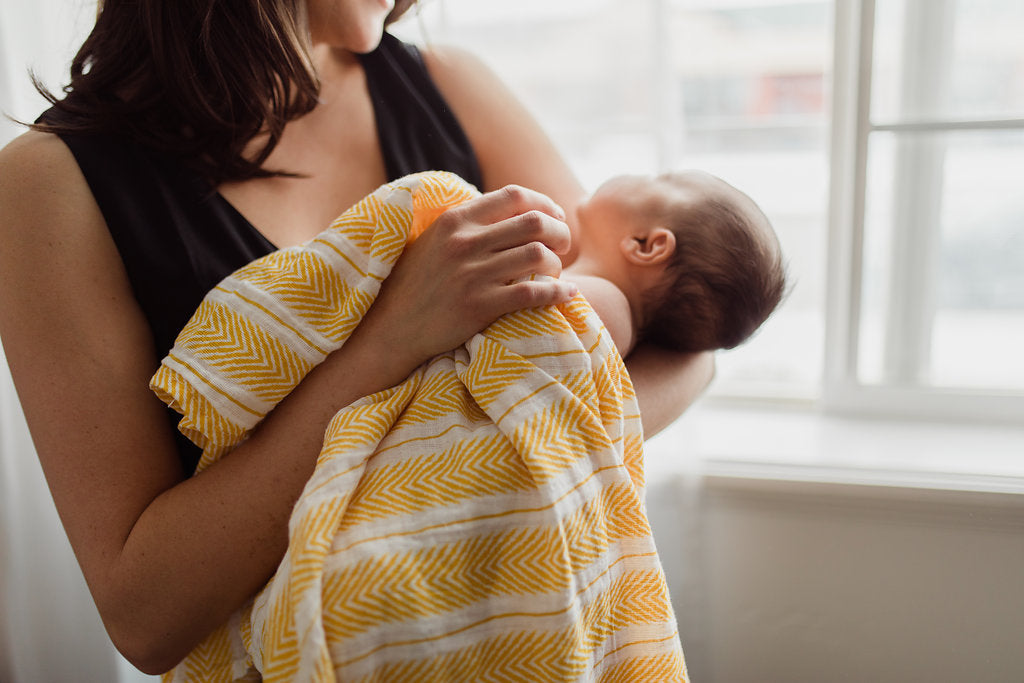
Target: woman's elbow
[[146, 652], [149, 646]]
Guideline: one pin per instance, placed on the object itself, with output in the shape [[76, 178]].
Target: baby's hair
[[725, 279]]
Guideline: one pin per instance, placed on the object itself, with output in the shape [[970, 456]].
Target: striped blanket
[[483, 520]]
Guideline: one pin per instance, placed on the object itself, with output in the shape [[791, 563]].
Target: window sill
[[717, 438]]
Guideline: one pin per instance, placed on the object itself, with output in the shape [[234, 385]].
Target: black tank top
[[178, 239]]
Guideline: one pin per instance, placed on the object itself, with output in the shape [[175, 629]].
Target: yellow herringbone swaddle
[[483, 520]]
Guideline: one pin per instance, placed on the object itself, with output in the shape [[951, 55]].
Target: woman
[[235, 128]]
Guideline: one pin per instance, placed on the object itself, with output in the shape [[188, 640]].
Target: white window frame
[[910, 314]]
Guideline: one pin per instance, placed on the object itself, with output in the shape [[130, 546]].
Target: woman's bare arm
[[513, 148], [667, 383], [168, 558]]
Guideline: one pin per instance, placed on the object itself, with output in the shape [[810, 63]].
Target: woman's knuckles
[[516, 196]]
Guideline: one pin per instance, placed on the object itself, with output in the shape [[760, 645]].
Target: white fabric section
[[49, 627]]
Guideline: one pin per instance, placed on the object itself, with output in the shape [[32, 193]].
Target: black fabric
[[178, 238], [416, 129]]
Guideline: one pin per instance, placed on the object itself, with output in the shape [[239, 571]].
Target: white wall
[[803, 582]]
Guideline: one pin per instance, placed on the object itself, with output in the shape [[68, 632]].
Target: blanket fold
[[482, 520]]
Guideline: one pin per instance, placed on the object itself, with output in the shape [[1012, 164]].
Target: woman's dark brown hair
[[198, 79]]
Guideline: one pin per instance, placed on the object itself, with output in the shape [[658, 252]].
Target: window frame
[[852, 127]]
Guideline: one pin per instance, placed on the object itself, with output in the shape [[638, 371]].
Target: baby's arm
[[611, 306]]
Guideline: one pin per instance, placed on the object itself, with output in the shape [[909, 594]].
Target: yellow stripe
[[649, 641], [421, 438], [343, 255], [335, 476], [525, 398], [276, 317], [215, 388], [552, 354], [493, 617], [479, 518]]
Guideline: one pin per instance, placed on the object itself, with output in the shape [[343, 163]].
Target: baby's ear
[[654, 247]]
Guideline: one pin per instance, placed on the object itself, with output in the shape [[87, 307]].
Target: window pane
[[948, 59], [979, 325], [943, 295]]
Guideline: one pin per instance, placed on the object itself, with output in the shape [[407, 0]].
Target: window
[[884, 138], [928, 221]]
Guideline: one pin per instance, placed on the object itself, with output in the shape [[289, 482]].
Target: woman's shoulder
[[58, 265], [34, 151], [43, 195], [486, 108], [37, 166], [458, 68]]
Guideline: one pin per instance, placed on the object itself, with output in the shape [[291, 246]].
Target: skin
[[622, 254], [622, 244], [168, 557]]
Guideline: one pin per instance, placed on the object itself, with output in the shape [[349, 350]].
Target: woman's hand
[[512, 148], [460, 274]]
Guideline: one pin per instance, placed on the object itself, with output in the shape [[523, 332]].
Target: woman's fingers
[[532, 258], [511, 216], [470, 268], [530, 227], [507, 202], [532, 294]]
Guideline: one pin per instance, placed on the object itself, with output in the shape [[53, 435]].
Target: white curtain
[[49, 627]]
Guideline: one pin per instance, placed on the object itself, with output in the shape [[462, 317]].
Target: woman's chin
[[364, 39]]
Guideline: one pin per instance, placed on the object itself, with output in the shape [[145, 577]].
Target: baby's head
[[699, 257]]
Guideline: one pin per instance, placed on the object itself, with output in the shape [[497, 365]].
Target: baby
[[684, 260]]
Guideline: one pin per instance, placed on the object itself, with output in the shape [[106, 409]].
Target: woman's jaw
[[352, 25]]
